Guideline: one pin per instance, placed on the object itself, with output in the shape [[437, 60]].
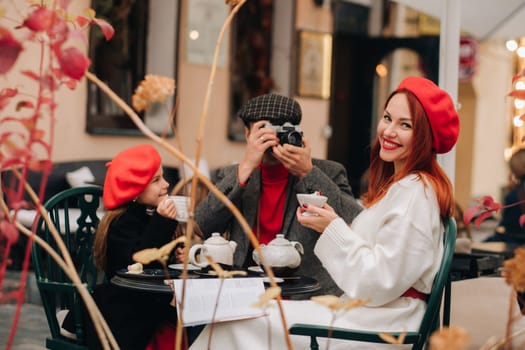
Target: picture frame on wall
[[314, 64]]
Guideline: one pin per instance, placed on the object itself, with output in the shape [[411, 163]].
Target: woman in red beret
[[138, 216], [391, 252]]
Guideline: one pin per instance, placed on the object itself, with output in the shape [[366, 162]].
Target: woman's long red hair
[[421, 161]]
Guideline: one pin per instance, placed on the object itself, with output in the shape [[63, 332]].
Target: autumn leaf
[[24, 104], [481, 212], [220, 272], [335, 303], [268, 295], [73, 62], [9, 50], [452, 338], [161, 254], [514, 270], [6, 95], [105, 27], [519, 94], [9, 231], [40, 20], [390, 339]]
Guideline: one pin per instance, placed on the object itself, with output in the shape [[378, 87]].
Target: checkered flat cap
[[276, 109]]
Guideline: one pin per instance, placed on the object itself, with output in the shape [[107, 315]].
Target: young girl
[[391, 252], [138, 216]]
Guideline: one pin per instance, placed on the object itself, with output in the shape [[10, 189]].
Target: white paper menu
[[235, 302]]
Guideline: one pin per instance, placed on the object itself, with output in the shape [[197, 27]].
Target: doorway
[[355, 92]]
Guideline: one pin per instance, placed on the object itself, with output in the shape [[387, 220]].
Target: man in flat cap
[[277, 165]]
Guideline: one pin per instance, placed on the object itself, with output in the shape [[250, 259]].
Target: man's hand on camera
[[258, 140], [298, 160]]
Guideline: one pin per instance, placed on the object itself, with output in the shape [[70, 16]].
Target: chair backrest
[[430, 322], [442, 285], [75, 213]]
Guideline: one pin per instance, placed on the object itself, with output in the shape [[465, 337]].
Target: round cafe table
[[290, 286]]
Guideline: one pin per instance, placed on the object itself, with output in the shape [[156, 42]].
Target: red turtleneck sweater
[[274, 179]]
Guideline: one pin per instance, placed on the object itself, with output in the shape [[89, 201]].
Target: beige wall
[[72, 142]]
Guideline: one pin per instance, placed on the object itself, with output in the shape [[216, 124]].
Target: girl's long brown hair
[[420, 162], [100, 243]]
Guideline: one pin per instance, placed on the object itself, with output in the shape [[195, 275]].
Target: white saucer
[[277, 280], [256, 269], [191, 267]]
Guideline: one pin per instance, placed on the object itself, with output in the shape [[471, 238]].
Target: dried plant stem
[[216, 306], [212, 188], [269, 325], [330, 331], [103, 330]]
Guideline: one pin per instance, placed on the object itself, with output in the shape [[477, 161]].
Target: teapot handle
[[192, 255], [255, 255], [298, 246]]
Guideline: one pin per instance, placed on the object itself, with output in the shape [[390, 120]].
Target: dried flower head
[[514, 270], [390, 339], [220, 272], [452, 338], [161, 254], [232, 2], [336, 303], [153, 88], [268, 295]]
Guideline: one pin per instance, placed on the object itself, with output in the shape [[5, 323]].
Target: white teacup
[[182, 203], [314, 199]]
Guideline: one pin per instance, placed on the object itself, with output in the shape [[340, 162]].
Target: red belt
[[414, 293]]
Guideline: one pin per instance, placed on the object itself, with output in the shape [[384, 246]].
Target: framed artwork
[[314, 64]]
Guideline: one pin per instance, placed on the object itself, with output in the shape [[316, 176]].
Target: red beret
[[440, 111], [128, 174]]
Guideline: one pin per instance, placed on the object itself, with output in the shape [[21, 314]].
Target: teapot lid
[[216, 238], [279, 240]]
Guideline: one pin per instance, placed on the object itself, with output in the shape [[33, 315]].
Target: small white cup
[[311, 199], [182, 203]]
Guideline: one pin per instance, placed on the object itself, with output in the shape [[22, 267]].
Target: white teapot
[[280, 252], [215, 246]]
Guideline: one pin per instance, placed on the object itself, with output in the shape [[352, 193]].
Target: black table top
[[290, 286]]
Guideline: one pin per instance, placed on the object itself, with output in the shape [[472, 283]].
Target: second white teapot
[[281, 252]]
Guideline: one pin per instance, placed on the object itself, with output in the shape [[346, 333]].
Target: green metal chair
[[75, 213], [431, 322]]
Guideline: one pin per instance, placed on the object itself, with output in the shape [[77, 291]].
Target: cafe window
[[145, 42]]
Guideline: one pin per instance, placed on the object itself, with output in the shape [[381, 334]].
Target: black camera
[[288, 133]]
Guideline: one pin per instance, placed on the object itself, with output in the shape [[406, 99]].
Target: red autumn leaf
[[40, 20], [518, 76], [469, 214], [39, 134], [484, 215], [489, 203], [73, 62], [520, 94], [106, 28], [522, 220], [9, 231], [59, 32], [31, 74], [82, 21], [9, 50], [21, 204], [5, 96], [71, 84], [24, 104]]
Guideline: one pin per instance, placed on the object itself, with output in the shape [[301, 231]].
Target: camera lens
[[294, 138]]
